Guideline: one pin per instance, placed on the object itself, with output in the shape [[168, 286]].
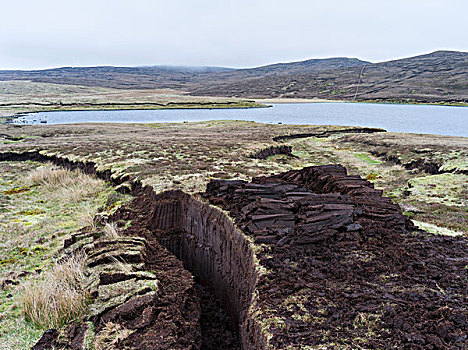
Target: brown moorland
[[297, 256]]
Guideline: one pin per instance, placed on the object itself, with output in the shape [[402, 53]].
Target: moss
[[448, 189], [17, 190], [436, 229], [367, 158], [89, 337], [36, 211]]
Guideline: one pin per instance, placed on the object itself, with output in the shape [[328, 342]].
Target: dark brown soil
[[335, 265], [178, 308], [180, 223], [168, 319], [360, 274], [272, 151], [216, 329], [216, 324]]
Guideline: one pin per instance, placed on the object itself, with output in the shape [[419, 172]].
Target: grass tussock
[[110, 335], [67, 184], [111, 230], [58, 298], [33, 225], [51, 177], [86, 218]]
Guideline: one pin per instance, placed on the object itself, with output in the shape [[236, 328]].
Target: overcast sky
[[242, 33]]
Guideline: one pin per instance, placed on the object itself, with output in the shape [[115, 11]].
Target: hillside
[[438, 77], [114, 77], [157, 77], [441, 76], [292, 68]]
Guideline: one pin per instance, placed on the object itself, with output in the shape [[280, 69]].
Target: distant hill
[[293, 68], [441, 76], [152, 77]]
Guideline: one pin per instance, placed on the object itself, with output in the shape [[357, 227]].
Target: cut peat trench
[[213, 250], [203, 238], [123, 184], [328, 133], [272, 151]]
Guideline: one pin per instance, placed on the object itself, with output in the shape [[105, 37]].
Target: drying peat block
[[135, 305], [343, 267]]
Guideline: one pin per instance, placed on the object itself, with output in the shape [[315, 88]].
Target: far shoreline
[[320, 100], [280, 100]]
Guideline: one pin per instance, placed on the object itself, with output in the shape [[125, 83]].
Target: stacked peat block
[[343, 268], [307, 206], [123, 280], [372, 209]]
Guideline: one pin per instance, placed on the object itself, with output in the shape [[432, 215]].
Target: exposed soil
[[350, 264], [342, 267], [153, 298], [426, 153], [314, 257], [328, 133], [272, 151], [211, 248], [166, 156], [133, 186], [216, 325]]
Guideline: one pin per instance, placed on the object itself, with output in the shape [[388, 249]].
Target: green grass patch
[[366, 158], [33, 225]]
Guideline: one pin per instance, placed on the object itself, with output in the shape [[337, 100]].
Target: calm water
[[399, 118]]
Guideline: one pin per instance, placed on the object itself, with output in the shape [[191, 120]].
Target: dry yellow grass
[[67, 184], [51, 177], [111, 334], [33, 225], [111, 230], [56, 299], [86, 218]]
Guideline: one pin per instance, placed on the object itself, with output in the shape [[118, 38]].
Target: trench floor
[[216, 327]]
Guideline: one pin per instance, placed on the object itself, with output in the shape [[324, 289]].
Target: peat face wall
[[339, 264], [344, 267], [272, 151], [201, 236], [209, 245]]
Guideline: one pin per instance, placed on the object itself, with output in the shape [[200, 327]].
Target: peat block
[[344, 268]]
